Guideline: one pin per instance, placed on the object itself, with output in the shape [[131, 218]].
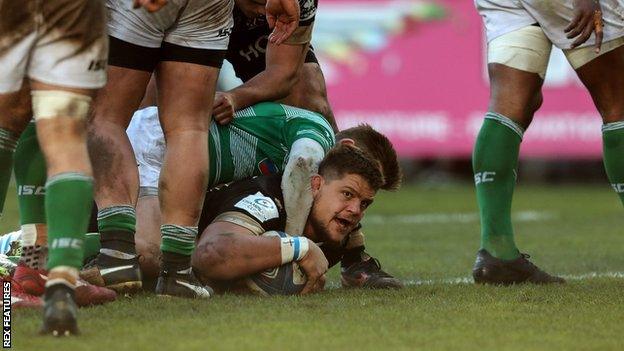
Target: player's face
[[339, 205]]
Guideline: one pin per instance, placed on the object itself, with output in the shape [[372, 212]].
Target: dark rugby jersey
[[255, 204], [258, 198], [249, 38]]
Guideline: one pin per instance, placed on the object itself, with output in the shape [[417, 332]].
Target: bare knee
[[514, 93]]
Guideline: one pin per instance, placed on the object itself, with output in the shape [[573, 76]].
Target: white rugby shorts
[[200, 24], [148, 143], [505, 16], [63, 43]]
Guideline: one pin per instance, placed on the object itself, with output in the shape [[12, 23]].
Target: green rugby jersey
[[259, 139]]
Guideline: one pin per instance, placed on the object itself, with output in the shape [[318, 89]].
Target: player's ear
[[315, 183], [347, 141]]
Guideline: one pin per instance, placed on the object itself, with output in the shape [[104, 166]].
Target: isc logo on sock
[[484, 177], [618, 187], [66, 243], [30, 190]]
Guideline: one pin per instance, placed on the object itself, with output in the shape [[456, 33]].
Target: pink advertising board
[[423, 83]]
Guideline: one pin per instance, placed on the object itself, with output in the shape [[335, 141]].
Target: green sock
[[494, 163], [69, 197], [122, 217], [117, 226], [613, 155], [178, 239], [92, 246], [8, 142], [30, 176]]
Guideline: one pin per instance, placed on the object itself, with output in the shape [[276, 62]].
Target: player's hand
[[314, 265], [283, 17], [587, 19], [223, 108], [149, 5]]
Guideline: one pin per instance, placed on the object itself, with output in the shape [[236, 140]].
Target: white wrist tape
[[293, 248]]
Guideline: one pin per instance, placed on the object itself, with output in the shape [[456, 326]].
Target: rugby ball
[[287, 279]]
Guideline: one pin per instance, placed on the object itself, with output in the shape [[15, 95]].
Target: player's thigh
[[192, 53], [604, 79], [130, 67], [517, 63], [185, 95], [117, 101], [15, 109]]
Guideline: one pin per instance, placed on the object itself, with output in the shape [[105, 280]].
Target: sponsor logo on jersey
[[261, 207], [267, 166]]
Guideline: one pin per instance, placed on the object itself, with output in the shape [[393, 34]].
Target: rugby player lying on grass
[[267, 124], [266, 138], [235, 216]]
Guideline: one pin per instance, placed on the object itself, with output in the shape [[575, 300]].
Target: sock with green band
[[494, 163], [117, 226], [30, 176], [122, 217], [69, 197], [8, 142], [613, 155], [178, 243]]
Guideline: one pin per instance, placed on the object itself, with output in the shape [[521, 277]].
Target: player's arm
[[229, 251], [303, 160], [275, 82]]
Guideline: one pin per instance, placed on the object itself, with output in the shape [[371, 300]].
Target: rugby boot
[[21, 299], [89, 294], [59, 312], [491, 270], [368, 274], [181, 283], [120, 273], [33, 282]]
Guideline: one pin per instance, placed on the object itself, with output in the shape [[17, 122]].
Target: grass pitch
[[429, 238]]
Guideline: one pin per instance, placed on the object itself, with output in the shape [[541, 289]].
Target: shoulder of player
[[263, 201]]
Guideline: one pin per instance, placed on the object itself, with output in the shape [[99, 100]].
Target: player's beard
[[321, 231]]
